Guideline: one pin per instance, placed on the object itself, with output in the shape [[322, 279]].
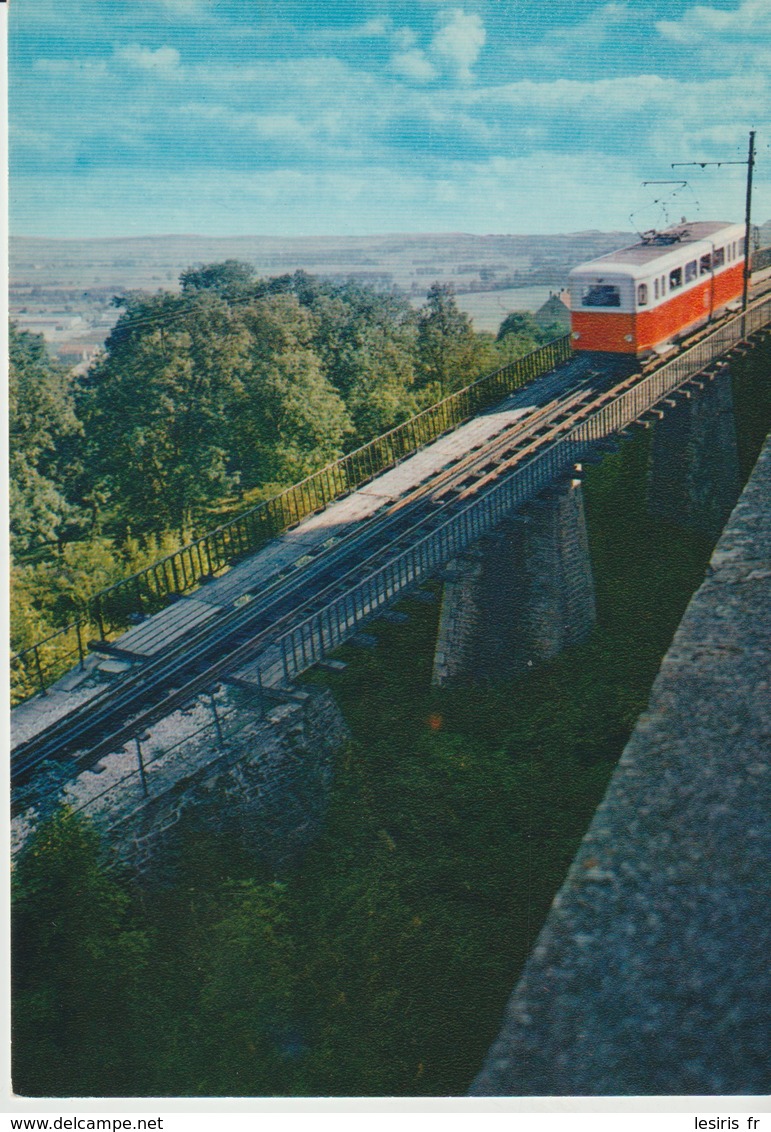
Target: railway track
[[241, 635], [108, 720]]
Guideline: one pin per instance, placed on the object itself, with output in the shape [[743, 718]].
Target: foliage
[[154, 409], [230, 279], [382, 965], [227, 391], [78, 965], [523, 325], [42, 425], [447, 347]]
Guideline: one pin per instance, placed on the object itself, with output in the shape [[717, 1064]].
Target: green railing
[[110, 610]]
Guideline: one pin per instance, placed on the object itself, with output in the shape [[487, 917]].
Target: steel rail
[[87, 719], [325, 627]]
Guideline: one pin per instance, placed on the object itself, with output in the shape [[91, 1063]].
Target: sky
[[356, 117]]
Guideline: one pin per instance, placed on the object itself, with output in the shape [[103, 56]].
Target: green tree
[[367, 341], [447, 346], [287, 416], [155, 409], [519, 333], [42, 430], [231, 279], [79, 1011]]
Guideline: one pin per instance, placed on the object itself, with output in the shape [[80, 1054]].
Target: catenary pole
[[750, 163]]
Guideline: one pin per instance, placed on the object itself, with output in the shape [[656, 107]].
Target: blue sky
[[335, 117]]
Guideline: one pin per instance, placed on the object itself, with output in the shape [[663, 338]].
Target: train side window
[[655, 288], [675, 278], [690, 271], [642, 294], [601, 295], [705, 264], [718, 257], [663, 285]]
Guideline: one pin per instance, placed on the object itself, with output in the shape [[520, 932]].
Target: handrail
[[327, 628], [148, 590]]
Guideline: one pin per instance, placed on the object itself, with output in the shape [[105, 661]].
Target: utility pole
[[747, 208], [750, 163]]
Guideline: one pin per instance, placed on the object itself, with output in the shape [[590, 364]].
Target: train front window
[[675, 278], [601, 295], [690, 271]]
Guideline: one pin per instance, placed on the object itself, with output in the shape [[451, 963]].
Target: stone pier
[[693, 477], [519, 596]]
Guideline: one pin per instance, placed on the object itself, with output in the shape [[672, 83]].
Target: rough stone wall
[[693, 476], [520, 595], [268, 789], [559, 608], [651, 974]]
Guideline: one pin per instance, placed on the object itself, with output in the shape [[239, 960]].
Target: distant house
[[555, 309]]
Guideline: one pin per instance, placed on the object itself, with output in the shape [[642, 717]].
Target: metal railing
[[149, 590], [325, 630]]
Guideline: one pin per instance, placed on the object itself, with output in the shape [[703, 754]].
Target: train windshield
[[601, 295]]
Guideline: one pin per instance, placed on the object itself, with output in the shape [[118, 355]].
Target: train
[[641, 300]]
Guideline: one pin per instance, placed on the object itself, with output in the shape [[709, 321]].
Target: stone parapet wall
[[651, 974]]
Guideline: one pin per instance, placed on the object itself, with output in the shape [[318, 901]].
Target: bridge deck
[[286, 553], [310, 537], [651, 974]]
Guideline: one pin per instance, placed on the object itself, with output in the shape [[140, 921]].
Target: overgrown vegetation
[[207, 401], [382, 964]]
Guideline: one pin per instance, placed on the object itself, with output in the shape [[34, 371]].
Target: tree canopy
[[208, 399], [42, 429]]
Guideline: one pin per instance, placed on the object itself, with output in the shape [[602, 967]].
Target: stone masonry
[[651, 973], [693, 477], [519, 596], [257, 772]]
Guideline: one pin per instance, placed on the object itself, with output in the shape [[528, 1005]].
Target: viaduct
[[194, 706]]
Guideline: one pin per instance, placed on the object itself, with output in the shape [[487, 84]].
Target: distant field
[[489, 308]]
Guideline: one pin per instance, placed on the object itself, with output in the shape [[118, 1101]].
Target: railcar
[[642, 299]]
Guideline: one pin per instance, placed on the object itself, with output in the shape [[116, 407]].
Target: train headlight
[[628, 338], [576, 335]]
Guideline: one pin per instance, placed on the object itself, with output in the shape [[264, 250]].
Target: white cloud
[[405, 38], [701, 23], [274, 127], [372, 29], [378, 27], [459, 41], [162, 61], [413, 64]]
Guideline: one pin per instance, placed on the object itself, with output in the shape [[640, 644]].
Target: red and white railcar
[[640, 299]]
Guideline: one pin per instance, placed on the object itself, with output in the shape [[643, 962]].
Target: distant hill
[[410, 262]]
